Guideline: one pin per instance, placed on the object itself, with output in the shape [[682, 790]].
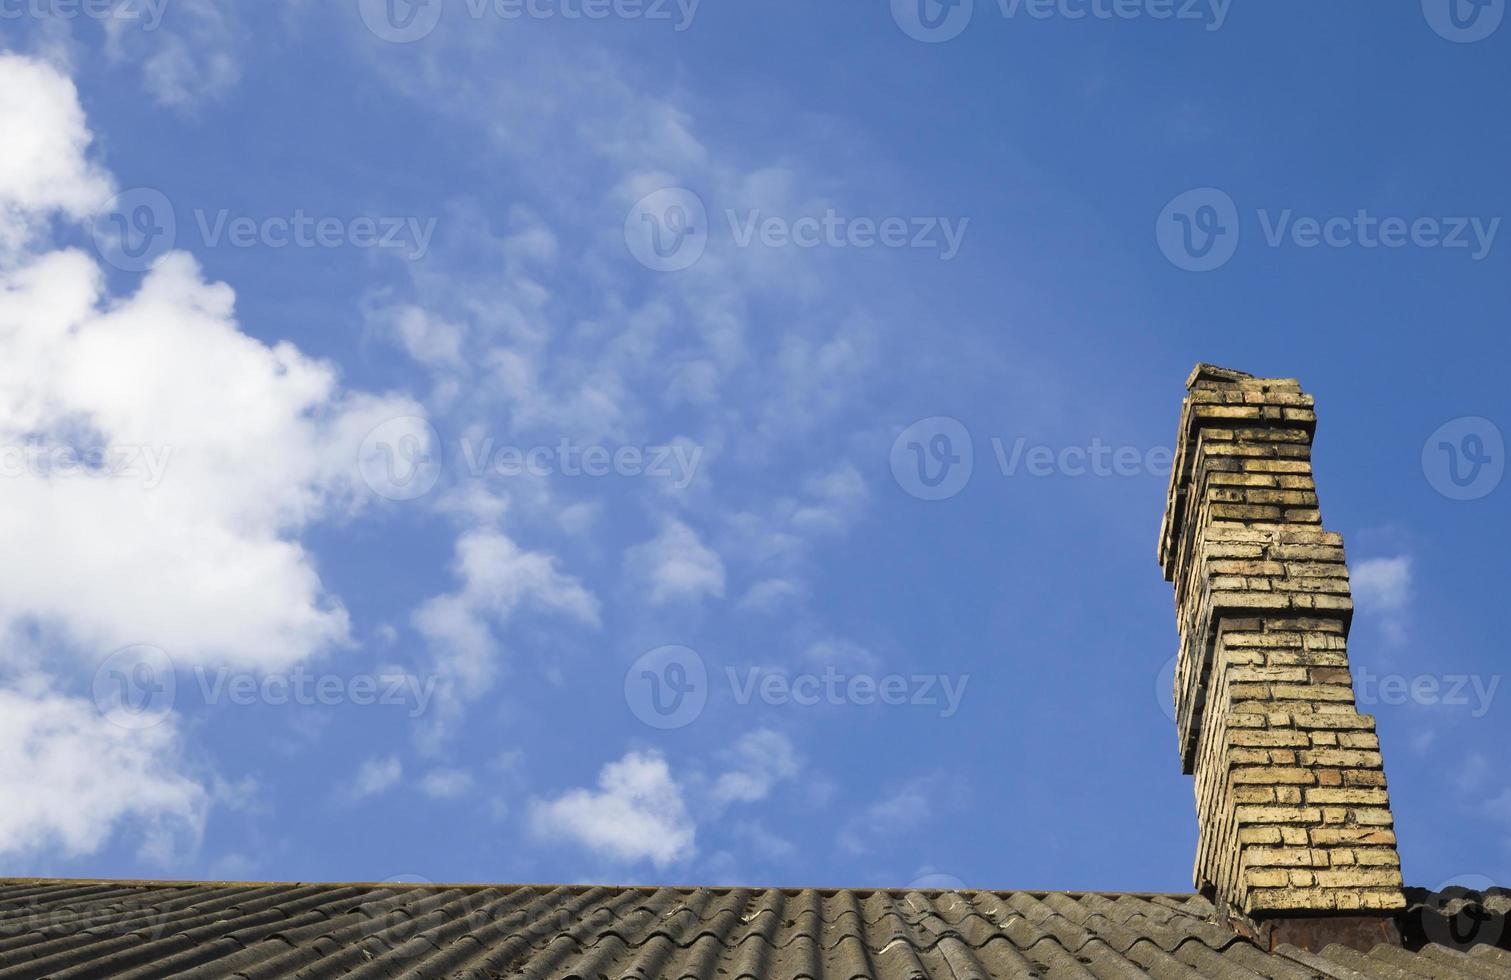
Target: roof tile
[[140, 930]]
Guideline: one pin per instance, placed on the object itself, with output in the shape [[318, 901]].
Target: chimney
[[1296, 836]]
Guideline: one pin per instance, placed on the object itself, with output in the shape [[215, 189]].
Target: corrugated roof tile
[[148, 931]]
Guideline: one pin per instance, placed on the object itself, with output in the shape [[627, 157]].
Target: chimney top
[[1211, 372]]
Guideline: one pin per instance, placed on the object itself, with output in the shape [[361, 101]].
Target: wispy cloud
[[902, 810], [497, 577], [757, 762], [186, 60], [373, 777], [676, 565], [1382, 589], [446, 784]]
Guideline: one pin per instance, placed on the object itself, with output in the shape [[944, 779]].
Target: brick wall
[[1290, 787]]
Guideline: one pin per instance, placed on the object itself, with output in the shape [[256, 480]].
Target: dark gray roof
[[80, 929]]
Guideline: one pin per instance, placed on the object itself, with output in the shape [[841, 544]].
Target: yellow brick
[[1272, 739], [1327, 836], [1277, 814], [1354, 878], [1266, 879], [1285, 857], [1342, 759], [1260, 835], [1377, 857], [1273, 775], [1364, 797]]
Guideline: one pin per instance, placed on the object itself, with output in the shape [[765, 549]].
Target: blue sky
[[388, 295]]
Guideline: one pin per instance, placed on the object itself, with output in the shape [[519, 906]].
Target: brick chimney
[[1296, 835]]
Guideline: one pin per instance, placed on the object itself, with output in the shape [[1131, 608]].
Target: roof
[[98, 929]]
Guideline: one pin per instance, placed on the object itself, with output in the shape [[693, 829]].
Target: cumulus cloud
[[159, 467], [675, 565], [211, 449], [44, 168], [636, 814], [70, 776]]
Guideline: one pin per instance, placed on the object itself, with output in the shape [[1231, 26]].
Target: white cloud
[[446, 784], [1382, 589], [43, 168], [906, 808], [234, 446], [375, 776], [233, 867], [188, 57], [675, 565], [770, 594], [843, 655], [777, 535], [427, 339], [759, 760], [637, 814], [228, 449], [497, 578], [765, 843], [1382, 584], [562, 336], [1422, 741], [836, 499], [70, 776], [238, 446], [1499, 807]]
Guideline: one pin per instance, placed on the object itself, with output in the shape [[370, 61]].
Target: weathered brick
[[1286, 857], [1350, 836], [1272, 776], [1271, 739], [1362, 796], [1278, 814], [1341, 758], [1290, 783]]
